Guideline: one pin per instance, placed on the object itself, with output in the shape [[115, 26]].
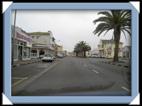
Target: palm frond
[[107, 31], [128, 31], [102, 19], [101, 28], [120, 19], [124, 33], [106, 13]]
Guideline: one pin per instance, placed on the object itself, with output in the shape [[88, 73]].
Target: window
[[33, 53], [24, 53], [28, 52]]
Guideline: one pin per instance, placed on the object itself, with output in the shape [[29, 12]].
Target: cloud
[[68, 26]]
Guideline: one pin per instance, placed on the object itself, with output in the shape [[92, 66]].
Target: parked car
[[60, 56], [54, 57], [41, 56], [47, 58], [95, 56]]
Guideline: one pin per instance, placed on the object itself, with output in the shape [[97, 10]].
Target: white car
[[47, 58], [60, 56], [95, 56]]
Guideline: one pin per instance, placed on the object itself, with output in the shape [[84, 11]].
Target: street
[[71, 76]]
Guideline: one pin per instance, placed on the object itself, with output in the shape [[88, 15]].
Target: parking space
[[18, 80]]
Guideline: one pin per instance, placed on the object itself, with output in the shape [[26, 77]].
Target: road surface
[[74, 76]]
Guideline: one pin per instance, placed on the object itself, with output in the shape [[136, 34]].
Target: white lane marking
[[95, 71], [20, 80], [20, 77], [123, 87]]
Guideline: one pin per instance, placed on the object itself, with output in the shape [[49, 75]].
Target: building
[[64, 53], [43, 43], [81, 54], [70, 53], [21, 43], [88, 53], [59, 48], [126, 52], [95, 53], [106, 48], [60, 51]]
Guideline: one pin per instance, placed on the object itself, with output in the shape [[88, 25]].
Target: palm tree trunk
[[117, 40], [84, 53], [76, 53], [116, 51]]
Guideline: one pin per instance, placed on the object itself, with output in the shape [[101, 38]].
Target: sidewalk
[[122, 62], [24, 62]]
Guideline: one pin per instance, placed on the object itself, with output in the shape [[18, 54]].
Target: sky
[[68, 26]]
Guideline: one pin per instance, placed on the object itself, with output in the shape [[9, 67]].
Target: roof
[[109, 41], [58, 45], [18, 29], [39, 33]]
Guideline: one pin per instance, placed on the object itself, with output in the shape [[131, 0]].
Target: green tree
[[76, 50], [119, 21], [81, 47]]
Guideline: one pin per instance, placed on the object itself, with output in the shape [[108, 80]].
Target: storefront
[[22, 46], [39, 50]]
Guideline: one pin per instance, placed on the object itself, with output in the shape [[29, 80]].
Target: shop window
[[28, 52], [24, 53], [33, 53]]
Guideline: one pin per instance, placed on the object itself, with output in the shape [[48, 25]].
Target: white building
[[126, 52], [21, 44], [43, 43], [95, 53], [88, 53], [107, 47]]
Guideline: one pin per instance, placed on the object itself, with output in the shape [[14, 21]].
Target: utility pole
[[13, 38]]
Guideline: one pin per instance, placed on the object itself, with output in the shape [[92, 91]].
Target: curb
[[112, 63], [16, 65]]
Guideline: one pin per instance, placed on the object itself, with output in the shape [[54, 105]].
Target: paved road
[[77, 76]]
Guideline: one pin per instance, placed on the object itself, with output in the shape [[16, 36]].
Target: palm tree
[[119, 21], [81, 47], [76, 50], [84, 47]]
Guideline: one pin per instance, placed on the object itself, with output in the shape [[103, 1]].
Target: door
[[19, 52]]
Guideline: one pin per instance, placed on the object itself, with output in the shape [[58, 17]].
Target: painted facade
[[43, 43], [106, 48], [21, 44]]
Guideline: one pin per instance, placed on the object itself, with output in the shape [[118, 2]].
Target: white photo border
[[71, 99]]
